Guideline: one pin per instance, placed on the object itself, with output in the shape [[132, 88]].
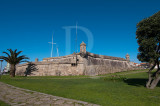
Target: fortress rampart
[[83, 63]]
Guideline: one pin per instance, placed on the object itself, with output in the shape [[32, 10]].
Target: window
[[73, 64]]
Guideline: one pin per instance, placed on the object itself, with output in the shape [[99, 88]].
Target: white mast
[[76, 51], [52, 46], [76, 38], [57, 52]]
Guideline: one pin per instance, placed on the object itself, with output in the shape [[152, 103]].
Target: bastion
[[82, 63]]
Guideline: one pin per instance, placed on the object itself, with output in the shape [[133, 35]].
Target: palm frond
[[4, 58], [7, 54], [15, 51], [11, 52], [18, 53], [24, 61], [22, 57], [13, 58]]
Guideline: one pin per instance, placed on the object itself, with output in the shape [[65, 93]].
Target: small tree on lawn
[[148, 38], [13, 59]]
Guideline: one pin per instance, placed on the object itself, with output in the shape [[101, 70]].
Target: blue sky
[[28, 25]]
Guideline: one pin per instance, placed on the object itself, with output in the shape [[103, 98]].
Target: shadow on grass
[[137, 82]]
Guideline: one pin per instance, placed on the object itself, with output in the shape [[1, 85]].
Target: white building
[[6, 69]]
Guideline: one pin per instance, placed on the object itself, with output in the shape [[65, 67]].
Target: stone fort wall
[[87, 64], [82, 63], [57, 66], [98, 66]]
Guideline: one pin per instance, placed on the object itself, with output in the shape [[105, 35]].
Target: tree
[[13, 59], [148, 38]]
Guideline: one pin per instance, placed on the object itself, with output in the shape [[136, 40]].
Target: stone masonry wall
[[99, 66], [56, 67], [52, 69], [89, 64]]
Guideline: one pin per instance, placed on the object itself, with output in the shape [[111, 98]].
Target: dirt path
[[15, 96]]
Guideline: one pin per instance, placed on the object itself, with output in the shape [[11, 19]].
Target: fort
[[82, 63]]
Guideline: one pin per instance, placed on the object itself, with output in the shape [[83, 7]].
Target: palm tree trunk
[[12, 70]]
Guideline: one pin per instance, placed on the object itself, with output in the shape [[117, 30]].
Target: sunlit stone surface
[[82, 63]]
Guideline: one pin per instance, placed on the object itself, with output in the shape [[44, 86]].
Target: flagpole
[[52, 43], [76, 38], [76, 44], [52, 47]]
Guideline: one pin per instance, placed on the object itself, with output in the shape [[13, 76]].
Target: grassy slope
[[99, 91]]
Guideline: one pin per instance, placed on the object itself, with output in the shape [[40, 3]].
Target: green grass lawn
[[3, 104], [127, 90]]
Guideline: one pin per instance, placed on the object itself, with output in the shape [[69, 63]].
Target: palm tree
[[13, 59]]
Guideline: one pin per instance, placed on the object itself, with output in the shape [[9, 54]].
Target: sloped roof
[[82, 44]]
